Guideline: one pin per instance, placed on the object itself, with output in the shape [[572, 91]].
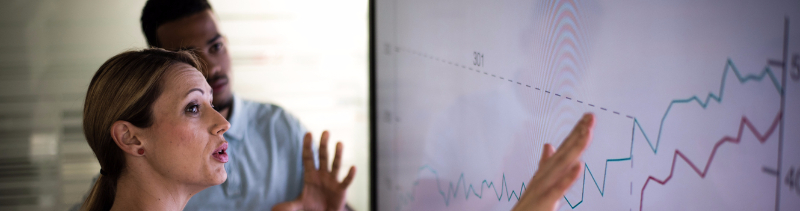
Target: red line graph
[[745, 122]]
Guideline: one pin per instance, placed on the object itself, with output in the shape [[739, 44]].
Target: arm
[[557, 169]]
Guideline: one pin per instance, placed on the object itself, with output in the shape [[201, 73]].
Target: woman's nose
[[220, 124], [219, 129]]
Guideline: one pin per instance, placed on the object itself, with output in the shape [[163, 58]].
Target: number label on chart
[[478, 61], [792, 179]]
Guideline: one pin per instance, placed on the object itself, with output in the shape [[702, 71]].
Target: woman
[[149, 120]]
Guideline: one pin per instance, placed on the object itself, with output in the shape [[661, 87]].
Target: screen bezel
[[373, 124]]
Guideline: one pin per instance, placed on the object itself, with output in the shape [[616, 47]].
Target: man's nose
[[211, 64]]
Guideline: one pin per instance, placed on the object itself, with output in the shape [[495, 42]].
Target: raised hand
[[557, 169], [321, 190]]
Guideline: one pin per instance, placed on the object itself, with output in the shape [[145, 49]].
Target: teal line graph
[[462, 183], [453, 190], [729, 66], [718, 98]]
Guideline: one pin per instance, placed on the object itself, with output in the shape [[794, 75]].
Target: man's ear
[[127, 137]]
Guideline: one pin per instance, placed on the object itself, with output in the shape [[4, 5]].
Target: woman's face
[[185, 142]]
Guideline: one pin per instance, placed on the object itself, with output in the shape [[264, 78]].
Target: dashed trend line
[[453, 190], [745, 122], [456, 64], [729, 66]]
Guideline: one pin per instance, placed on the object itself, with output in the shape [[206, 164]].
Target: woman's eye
[[193, 108]]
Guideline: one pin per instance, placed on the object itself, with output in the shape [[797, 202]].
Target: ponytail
[[101, 197]]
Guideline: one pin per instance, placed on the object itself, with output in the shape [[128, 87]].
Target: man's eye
[[193, 108], [216, 47]]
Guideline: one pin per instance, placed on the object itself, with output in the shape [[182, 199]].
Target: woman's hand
[[557, 169], [321, 190]]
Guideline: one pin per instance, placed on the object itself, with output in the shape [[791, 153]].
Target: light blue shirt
[[265, 166]]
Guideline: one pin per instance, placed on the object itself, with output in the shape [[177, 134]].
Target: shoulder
[[270, 120], [267, 112]]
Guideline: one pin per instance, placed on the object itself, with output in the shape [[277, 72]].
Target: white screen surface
[[687, 98]]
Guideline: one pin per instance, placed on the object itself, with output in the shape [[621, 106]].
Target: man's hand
[[321, 190], [557, 169]]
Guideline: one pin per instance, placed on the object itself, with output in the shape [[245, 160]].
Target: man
[[266, 164]]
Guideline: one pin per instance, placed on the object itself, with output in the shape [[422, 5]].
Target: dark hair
[[124, 88], [158, 12]]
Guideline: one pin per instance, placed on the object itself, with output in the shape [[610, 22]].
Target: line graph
[[711, 96], [453, 191], [745, 122], [729, 67]]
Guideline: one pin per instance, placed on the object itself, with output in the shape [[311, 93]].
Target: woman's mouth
[[220, 154]]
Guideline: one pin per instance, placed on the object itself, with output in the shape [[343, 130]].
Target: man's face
[[199, 32]]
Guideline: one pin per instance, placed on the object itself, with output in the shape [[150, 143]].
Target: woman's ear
[[127, 137]]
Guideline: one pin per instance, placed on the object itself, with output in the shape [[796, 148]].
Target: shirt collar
[[237, 120]]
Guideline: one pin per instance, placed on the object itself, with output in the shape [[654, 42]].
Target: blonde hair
[[124, 88]]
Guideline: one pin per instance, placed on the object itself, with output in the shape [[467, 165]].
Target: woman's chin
[[214, 175], [220, 176]]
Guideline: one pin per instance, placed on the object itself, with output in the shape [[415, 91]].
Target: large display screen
[[697, 103]]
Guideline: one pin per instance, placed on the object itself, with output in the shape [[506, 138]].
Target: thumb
[[547, 152], [288, 206]]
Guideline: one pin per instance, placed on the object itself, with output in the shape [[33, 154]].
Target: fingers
[[576, 142], [337, 159], [569, 178], [581, 130], [308, 159], [308, 154], [547, 152], [555, 190], [568, 153], [349, 178], [559, 169], [323, 152]]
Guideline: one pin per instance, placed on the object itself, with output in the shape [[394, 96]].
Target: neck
[[137, 190]]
